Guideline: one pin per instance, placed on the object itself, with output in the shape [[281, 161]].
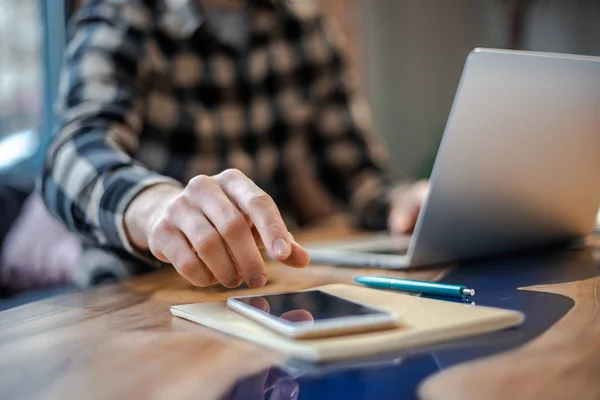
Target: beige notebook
[[424, 322]]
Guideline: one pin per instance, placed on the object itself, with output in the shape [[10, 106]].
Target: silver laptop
[[518, 166]]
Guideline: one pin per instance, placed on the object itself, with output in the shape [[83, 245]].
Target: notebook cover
[[424, 322]]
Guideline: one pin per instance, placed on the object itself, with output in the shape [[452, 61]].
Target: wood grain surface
[[120, 341], [562, 363]]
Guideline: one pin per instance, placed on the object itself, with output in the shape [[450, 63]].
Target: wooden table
[[120, 341]]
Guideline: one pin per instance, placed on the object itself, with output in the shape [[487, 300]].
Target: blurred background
[[406, 54]]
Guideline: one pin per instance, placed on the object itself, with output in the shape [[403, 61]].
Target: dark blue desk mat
[[397, 375]]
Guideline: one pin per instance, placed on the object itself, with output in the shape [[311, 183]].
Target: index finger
[[261, 209]]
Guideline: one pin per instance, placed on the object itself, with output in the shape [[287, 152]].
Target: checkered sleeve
[[89, 177], [351, 159]]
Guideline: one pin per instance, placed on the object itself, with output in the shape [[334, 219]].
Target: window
[[32, 34], [21, 79]]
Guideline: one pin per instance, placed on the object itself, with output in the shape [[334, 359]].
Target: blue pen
[[410, 285]]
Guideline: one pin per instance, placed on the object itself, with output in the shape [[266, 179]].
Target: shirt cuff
[[120, 190]]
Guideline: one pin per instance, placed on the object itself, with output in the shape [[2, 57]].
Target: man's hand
[[406, 202], [211, 230]]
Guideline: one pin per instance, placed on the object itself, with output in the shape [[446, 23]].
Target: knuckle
[[191, 271], [234, 226], [275, 228], [161, 228], [188, 268], [189, 194], [260, 200], [173, 209], [203, 280], [197, 231], [197, 183], [251, 268], [207, 243], [231, 174]]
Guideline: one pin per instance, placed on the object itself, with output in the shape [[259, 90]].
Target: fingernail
[[234, 283], [282, 248], [258, 281]]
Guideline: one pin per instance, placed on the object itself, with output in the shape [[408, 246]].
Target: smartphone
[[312, 313]]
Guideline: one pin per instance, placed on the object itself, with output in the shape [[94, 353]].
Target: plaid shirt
[[149, 94]]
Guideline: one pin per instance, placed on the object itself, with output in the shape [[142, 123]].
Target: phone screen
[[310, 306]]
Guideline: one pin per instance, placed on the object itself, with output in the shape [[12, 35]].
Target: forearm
[[88, 184], [89, 175]]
